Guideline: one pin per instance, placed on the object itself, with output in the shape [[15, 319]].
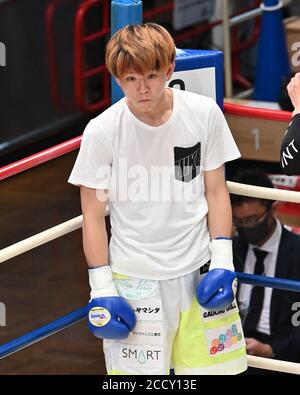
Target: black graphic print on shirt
[[187, 162]]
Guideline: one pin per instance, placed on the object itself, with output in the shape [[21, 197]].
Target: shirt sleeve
[[220, 147], [94, 161], [290, 148]]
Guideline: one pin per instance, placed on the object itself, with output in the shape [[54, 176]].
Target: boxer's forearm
[[95, 242], [219, 216]]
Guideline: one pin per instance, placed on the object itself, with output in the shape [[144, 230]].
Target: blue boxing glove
[[218, 288], [109, 315]]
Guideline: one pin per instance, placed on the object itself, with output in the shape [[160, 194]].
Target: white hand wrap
[[221, 254], [101, 282]]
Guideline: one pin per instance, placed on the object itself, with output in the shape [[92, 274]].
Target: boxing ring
[[73, 224]]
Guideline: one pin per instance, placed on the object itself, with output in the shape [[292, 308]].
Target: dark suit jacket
[[285, 338]]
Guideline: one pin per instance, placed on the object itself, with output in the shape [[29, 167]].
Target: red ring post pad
[[39, 158]]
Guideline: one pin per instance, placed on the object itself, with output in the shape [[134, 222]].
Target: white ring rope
[[40, 239], [76, 223], [233, 187], [263, 193], [273, 364]]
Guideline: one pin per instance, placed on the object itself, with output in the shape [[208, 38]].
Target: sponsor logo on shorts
[[150, 333], [214, 314], [148, 310], [142, 355], [227, 340]]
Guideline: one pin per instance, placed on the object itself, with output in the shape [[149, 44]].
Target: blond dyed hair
[[141, 48]]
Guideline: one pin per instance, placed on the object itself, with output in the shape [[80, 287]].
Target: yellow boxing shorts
[[174, 331]]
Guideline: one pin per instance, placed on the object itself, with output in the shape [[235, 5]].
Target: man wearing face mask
[[264, 247]]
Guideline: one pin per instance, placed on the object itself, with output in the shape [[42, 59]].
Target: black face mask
[[255, 234]]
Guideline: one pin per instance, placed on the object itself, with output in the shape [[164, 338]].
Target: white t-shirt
[[154, 175]]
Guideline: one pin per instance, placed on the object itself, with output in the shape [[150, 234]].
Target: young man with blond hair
[[156, 158]]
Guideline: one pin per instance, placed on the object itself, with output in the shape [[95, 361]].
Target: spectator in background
[[263, 246], [290, 146]]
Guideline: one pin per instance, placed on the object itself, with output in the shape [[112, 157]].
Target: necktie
[[257, 295]]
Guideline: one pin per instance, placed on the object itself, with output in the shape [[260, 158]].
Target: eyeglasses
[[249, 222]]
